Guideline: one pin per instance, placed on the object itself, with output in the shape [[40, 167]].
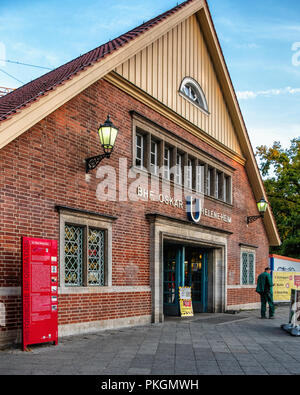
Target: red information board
[[40, 297]]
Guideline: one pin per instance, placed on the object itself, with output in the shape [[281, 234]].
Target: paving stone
[[162, 372], [142, 371], [142, 363], [249, 347]]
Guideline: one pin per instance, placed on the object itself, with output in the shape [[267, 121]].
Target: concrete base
[[248, 306], [96, 326], [293, 330], [8, 338]]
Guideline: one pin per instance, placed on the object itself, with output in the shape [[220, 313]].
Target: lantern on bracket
[[107, 134], [262, 206]]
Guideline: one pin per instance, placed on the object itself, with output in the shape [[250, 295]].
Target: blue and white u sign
[[194, 217]]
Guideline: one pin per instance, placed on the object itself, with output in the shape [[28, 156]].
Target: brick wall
[[45, 167]]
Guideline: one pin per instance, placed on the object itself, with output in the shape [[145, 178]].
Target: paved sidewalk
[[220, 344]]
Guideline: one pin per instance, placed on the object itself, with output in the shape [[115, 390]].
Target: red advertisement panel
[[297, 281], [40, 296]]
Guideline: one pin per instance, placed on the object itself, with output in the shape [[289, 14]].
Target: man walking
[[265, 289]]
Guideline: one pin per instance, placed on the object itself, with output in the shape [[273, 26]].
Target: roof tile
[[22, 97]]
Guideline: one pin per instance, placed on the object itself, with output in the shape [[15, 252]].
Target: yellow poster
[[185, 301], [284, 283]]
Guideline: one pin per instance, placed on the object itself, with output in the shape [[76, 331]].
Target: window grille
[[84, 256], [73, 255], [247, 268], [95, 257]]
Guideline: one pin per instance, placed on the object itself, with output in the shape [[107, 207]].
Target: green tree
[[280, 169]]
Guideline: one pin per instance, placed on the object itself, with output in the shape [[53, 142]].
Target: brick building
[[125, 240]]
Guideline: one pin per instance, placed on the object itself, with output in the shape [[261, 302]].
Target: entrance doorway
[[185, 266]]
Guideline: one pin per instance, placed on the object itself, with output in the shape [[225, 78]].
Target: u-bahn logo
[[194, 214]]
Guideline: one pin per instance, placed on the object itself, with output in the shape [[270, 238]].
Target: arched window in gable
[[191, 90]]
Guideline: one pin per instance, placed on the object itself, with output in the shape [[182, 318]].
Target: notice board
[[284, 283], [185, 302], [39, 291]]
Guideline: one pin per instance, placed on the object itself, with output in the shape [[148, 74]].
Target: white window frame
[[227, 189], [219, 186], [178, 176], [189, 174], [200, 177], [91, 221], [154, 154], [211, 182], [149, 133], [200, 101], [141, 147], [167, 164]]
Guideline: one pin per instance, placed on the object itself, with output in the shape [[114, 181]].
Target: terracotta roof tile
[[34, 90]]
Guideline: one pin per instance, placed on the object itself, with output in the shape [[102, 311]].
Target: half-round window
[[191, 90]]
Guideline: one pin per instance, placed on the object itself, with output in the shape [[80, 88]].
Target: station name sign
[[216, 215], [178, 203], [161, 198]]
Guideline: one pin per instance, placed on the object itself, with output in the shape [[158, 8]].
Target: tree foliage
[[280, 169]]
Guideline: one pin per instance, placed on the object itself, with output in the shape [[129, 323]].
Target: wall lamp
[[108, 134], [262, 206]]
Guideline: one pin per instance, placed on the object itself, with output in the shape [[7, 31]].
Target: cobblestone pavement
[[219, 344]]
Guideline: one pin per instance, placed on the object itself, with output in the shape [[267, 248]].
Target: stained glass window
[[247, 268], [73, 255], [95, 257], [84, 256]]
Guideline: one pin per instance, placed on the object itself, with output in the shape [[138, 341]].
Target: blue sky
[[260, 41]]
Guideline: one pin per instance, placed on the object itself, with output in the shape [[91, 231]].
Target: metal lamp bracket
[[92, 163]]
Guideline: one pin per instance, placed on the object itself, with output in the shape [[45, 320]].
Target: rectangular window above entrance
[[200, 178], [179, 165], [173, 159], [154, 158], [140, 150], [167, 163]]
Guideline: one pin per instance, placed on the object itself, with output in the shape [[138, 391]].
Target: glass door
[[173, 256], [184, 267], [197, 278]]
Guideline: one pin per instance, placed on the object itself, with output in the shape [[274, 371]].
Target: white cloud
[[245, 95], [2, 54], [40, 56], [267, 135], [292, 27]]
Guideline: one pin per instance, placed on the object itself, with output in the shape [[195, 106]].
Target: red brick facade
[[45, 167]]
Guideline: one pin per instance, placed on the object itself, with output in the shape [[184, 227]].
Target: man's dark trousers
[[267, 298]]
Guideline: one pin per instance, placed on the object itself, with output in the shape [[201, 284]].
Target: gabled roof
[[32, 91], [29, 104]]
